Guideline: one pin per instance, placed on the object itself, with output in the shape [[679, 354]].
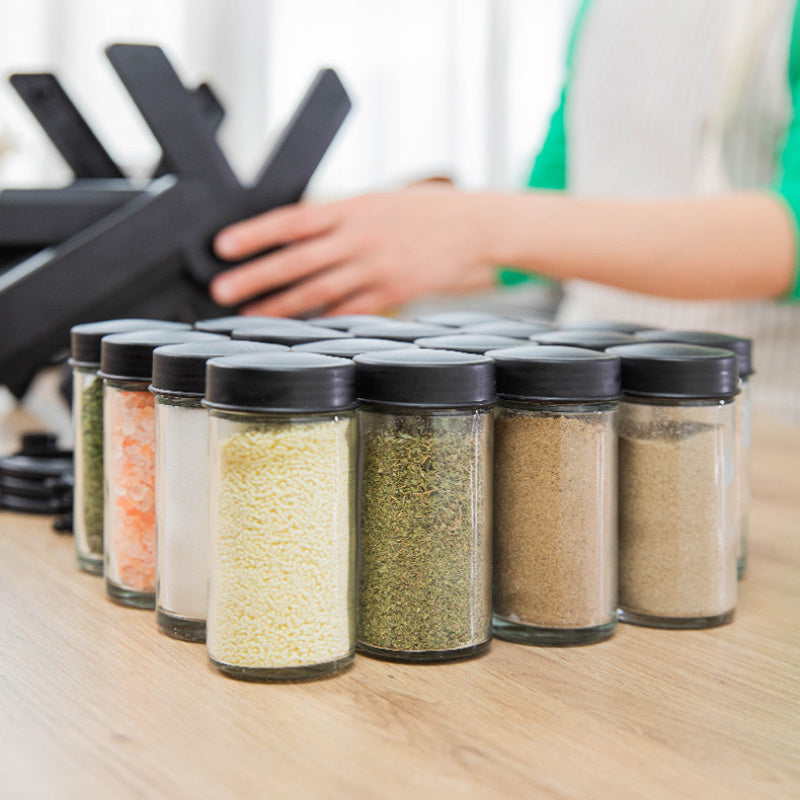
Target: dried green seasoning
[[425, 515], [92, 434]]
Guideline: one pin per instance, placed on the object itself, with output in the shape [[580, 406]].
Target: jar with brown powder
[[677, 493], [555, 495]]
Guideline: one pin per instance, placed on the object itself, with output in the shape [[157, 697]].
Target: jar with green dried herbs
[[677, 486], [87, 407], [425, 501], [555, 495]]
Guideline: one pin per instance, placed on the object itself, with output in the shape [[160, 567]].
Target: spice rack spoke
[[151, 255]]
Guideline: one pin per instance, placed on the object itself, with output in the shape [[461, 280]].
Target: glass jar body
[[182, 516], [282, 568], [744, 435], [87, 514], [555, 522], [425, 500], [129, 523], [677, 506]]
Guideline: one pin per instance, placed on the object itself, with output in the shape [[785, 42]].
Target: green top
[[550, 167]]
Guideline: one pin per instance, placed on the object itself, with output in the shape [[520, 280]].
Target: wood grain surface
[[95, 702]]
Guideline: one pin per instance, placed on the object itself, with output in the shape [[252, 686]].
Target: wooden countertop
[[94, 702]]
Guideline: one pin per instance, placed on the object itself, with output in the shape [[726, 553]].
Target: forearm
[[734, 246]]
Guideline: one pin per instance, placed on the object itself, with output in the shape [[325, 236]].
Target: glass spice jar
[[588, 339], [677, 489], [555, 495], [182, 525], [459, 318], [351, 347], [87, 420], [227, 325], [425, 500], [129, 517], [286, 331], [398, 330], [479, 343], [743, 348], [619, 326], [513, 328], [343, 322], [282, 573]]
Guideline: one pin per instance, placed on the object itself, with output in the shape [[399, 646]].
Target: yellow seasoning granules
[[281, 586]]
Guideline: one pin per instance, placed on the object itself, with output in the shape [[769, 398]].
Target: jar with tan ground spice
[[677, 486], [555, 495], [743, 348]]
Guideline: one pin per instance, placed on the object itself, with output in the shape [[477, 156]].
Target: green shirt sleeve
[[787, 181], [550, 166]]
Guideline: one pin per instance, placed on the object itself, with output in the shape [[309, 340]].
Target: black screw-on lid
[[348, 348], [468, 342], [738, 344], [425, 379], [590, 340], [85, 338], [551, 373], [226, 325], [280, 382], [344, 322], [397, 329], [129, 356], [676, 370], [457, 319], [288, 332], [607, 325], [512, 328], [181, 368]]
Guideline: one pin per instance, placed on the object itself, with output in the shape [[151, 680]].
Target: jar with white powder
[[182, 529], [282, 450]]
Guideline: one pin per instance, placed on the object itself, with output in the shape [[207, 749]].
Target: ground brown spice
[[555, 518], [677, 549]]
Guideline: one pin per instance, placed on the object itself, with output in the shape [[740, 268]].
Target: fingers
[[277, 269], [369, 301], [283, 225], [317, 292]]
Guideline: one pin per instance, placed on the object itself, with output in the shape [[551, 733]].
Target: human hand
[[360, 255]]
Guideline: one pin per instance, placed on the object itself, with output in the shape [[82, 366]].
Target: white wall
[[458, 87]]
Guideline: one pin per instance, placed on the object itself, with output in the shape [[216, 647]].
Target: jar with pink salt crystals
[[129, 457]]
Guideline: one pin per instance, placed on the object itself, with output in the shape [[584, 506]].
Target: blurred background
[[462, 88], [456, 88]]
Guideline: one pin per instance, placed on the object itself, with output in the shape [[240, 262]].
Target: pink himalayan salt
[[132, 489]]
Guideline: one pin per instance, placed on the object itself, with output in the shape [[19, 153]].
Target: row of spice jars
[[435, 418], [425, 502]]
